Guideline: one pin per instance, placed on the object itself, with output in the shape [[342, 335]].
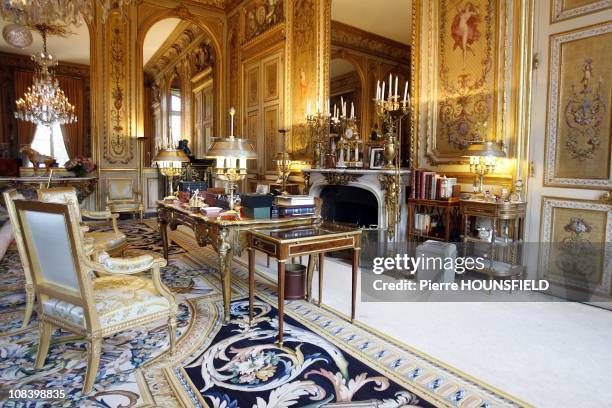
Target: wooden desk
[[287, 242], [226, 237]]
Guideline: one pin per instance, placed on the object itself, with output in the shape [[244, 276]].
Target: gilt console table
[[225, 237], [27, 185]]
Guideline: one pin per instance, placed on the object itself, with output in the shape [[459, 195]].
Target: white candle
[[390, 84], [382, 95], [357, 152], [378, 89], [352, 109], [243, 164], [406, 92], [232, 113], [327, 111], [396, 82]]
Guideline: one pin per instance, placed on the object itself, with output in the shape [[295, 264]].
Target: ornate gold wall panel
[[579, 132], [118, 146], [574, 253], [304, 69], [468, 59], [566, 9]]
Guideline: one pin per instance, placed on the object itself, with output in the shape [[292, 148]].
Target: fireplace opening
[[349, 205]]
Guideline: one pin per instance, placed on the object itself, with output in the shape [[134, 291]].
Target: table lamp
[[483, 156], [231, 155], [170, 161]]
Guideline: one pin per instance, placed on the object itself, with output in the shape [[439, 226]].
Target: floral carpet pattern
[[325, 360]]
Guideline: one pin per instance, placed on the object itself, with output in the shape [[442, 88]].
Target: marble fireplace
[[357, 196]]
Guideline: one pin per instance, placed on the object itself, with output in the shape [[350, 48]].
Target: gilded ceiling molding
[[350, 37], [261, 16]]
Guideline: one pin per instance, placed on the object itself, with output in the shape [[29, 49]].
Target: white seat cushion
[[119, 299]]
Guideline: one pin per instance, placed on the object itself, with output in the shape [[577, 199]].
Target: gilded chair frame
[[44, 195], [92, 331], [136, 193], [9, 197]]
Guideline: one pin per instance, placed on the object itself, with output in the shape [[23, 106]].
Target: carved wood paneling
[[118, 146]]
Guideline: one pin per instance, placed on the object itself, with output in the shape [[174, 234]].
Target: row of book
[[422, 223], [429, 185]]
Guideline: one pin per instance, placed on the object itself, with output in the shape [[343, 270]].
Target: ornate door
[[570, 149]]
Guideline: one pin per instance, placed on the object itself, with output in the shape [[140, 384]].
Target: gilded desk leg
[[312, 258], [225, 261], [251, 282], [354, 282], [321, 261], [281, 300]]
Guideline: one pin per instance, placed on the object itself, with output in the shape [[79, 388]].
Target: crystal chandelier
[[55, 12], [44, 103]]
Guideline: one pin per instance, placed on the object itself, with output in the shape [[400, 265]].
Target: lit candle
[[232, 113]]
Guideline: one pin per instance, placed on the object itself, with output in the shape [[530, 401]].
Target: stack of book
[[429, 185], [293, 206]]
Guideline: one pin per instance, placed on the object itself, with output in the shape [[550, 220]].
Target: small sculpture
[[37, 158], [184, 146]]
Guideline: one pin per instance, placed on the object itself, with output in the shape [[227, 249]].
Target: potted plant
[[80, 166]]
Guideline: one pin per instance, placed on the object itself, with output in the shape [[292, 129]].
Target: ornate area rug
[[325, 361]]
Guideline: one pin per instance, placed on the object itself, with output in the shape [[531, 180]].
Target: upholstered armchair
[[72, 298], [122, 197], [113, 241], [9, 196]]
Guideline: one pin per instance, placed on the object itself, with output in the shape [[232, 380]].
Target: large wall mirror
[[369, 41], [71, 47], [179, 87]]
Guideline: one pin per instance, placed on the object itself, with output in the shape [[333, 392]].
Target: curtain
[[74, 136], [25, 130]]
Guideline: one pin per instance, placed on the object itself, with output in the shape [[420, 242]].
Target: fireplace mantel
[[373, 180]]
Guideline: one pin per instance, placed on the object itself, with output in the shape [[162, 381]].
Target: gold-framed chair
[[9, 196], [113, 242], [69, 297], [122, 197]]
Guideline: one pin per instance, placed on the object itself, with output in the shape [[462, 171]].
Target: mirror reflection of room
[[29, 140], [369, 42]]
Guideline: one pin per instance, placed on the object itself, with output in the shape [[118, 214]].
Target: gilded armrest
[[125, 266]]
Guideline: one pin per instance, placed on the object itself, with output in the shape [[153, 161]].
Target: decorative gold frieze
[[340, 179]]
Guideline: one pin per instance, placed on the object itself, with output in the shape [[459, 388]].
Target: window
[[175, 116], [49, 140]]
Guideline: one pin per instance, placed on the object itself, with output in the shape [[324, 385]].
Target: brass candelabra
[[392, 110], [318, 126]]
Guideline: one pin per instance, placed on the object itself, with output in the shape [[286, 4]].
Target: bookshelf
[[433, 219]]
